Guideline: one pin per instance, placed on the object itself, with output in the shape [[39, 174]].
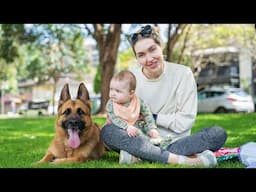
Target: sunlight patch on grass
[[18, 135], [210, 117]]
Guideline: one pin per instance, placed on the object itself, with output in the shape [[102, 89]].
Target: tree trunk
[[184, 44], [108, 44], [107, 69], [174, 33]]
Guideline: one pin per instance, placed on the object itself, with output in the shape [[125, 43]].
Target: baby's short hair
[[128, 76]]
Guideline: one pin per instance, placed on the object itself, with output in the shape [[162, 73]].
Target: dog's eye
[[67, 112], [80, 111]]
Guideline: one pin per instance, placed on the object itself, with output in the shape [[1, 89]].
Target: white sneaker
[[127, 158], [208, 158]]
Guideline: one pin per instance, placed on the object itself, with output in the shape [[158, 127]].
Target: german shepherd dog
[[77, 137]]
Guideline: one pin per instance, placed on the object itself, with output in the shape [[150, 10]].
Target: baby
[[127, 111]]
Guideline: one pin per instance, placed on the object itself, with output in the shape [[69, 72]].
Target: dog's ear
[[83, 93], [65, 95]]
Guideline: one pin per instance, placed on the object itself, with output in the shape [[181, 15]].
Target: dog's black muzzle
[[74, 123]]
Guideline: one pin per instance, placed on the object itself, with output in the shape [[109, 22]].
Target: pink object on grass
[[226, 151]]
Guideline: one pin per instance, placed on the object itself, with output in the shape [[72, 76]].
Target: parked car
[[223, 100], [32, 108]]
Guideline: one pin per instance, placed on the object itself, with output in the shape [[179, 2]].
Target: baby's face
[[119, 91]]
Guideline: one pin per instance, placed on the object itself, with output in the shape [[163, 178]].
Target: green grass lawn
[[25, 140]]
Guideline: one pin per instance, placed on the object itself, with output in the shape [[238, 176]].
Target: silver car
[[223, 100]]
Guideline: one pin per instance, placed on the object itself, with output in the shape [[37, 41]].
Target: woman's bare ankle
[[184, 160], [173, 158]]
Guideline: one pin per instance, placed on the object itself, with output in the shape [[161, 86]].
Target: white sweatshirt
[[173, 96]]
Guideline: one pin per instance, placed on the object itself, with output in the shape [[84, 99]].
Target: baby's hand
[[132, 131], [153, 133]]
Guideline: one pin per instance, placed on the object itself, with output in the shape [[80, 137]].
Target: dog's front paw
[[58, 161], [67, 160]]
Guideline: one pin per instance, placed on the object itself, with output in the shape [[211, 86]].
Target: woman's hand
[[153, 133], [132, 131]]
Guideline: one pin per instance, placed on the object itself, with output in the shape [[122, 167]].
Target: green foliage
[[18, 138], [58, 49], [219, 35], [8, 51], [3, 70], [41, 51], [12, 35], [125, 59], [203, 36], [8, 75], [97, 81], [185, 60]]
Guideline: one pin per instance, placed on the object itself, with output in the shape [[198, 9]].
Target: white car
[[223, 100]]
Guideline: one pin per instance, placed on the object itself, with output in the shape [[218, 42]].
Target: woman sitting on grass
[[171, 93]]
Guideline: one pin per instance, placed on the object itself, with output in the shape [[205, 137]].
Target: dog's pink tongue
[[73, 140]]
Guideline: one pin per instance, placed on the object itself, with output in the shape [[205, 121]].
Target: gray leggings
[[212, 138]]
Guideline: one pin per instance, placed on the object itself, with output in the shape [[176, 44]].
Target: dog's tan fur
[[91, 147]]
